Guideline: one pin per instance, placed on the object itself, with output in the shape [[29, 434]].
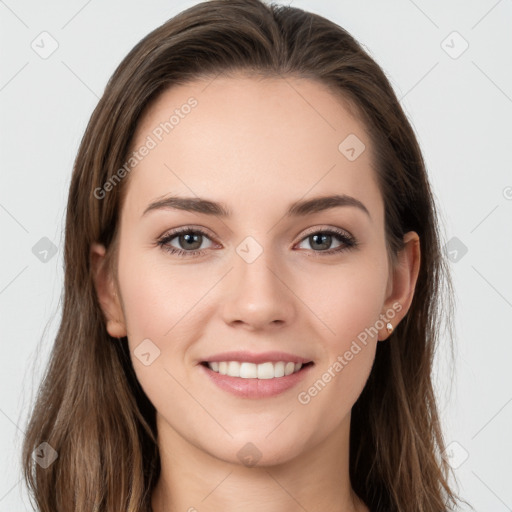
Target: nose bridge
[[259, 295]]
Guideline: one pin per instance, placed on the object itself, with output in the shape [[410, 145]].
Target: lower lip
[[256, 388]]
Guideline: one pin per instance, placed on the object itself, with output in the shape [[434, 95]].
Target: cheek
[[349, 306], [348, 300], [156, 296], [165, 304], [160, 304]]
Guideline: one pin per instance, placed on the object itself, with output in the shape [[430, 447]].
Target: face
[[269, 278]]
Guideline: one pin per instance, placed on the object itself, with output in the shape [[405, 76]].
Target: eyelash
[[348, 241]]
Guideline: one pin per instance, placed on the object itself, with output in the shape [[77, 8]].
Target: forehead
[[251, 140]]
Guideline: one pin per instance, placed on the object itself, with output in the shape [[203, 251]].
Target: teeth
[[254, 371]]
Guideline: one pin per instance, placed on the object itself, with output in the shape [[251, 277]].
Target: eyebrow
[[297, 209]]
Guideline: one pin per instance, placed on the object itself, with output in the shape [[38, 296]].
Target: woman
[[253, 283]]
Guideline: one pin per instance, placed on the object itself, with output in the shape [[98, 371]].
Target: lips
[[255, 375]]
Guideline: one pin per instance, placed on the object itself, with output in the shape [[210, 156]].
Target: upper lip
[[262, 357]]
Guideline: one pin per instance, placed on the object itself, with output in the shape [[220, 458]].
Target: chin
[[258, 451]]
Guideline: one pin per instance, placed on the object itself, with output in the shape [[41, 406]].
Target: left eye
[[324, 238]]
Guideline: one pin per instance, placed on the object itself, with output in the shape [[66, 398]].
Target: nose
[[259, 295]]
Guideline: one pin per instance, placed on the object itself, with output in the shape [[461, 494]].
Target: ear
[[402, 282], [107, 293]]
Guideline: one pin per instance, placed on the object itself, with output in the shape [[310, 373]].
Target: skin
[[256, 145]]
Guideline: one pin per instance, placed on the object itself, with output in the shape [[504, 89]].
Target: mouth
[[263, 380], [261, 375], [262, 371]]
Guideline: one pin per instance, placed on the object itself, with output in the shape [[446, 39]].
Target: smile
[[255, 381]]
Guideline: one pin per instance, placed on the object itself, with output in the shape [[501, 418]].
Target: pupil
[[189, 238], [324, 237]]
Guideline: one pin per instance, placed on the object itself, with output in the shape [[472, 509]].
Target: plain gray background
[[459, 101]]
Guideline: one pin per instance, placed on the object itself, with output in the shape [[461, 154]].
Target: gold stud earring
[[389, 327]]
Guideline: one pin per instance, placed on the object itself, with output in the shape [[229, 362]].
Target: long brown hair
[[90, 407]]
